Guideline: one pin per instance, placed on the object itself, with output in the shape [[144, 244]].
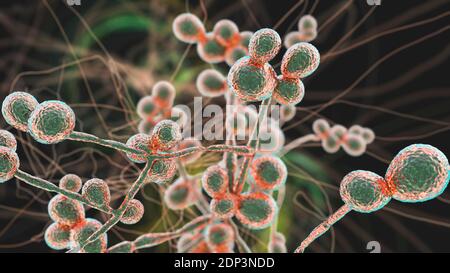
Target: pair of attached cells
[[307, 31], [224, 43], [354, 140], [159, 106], [417, 173]]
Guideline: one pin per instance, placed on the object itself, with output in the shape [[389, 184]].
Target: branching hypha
[[242, 186]]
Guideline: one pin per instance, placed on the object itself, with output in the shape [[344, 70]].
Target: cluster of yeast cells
[[307, 31]]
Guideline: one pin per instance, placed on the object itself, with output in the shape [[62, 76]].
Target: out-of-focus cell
[[226, 32], [251, 82], [224, 206], [210, 50], [133, 212], [300, 61], [292, 38], [145, 126], [57, 236], [271, 138], [163, 94], [211, 83], [180, 194], [269, 172], [321, 128], [179, 115], [51, 122], [65, 211], [340, 132], [146, 108], [418, 173], [189, 143], [289, 91], [287, 112], [215, 181], [71, 182], [232, 55], [8, 140], [308, 36], [9, 163], [354, 145], [139, 142], [256, 210], [245, 38], [17, 108], [307, 23], [96, 191], [362, 191], [187, 28], [368, 135], [356, 130], [161, 171], [264, 45], [331, 144], [219, 235], [166, 134], [80, 233]]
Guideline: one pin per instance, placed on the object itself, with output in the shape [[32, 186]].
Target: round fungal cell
[[211, 83], [251, 82], [340, 132], [256, 210], [287, 112], [133, 213], [418, 173], [354, 145], [146, 108], [264, 45], [51, 122], [223, 206], [188, 28], [138, 142], [331, 144], [71, 182], [215, 181], [8, 140], [356, 130], [161, 171], [9, 164], [210, 50], [219, 234], [80, 233], [226, 32], [307, 23], [321, 128], [180, 194], [96, 191], [189, 143], [300, 61], [269, 172], [363, 191], [163, 94], [368, 135], [65, 211], [245, 37], [57, 236], [145, 126], [232, 55], [166, 134], [179, 115], [17, 108], [289, 91], [292, 38]]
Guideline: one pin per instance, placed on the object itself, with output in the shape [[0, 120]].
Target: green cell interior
[[268, 172], [250, 79], [299, 61], [257, 210]]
